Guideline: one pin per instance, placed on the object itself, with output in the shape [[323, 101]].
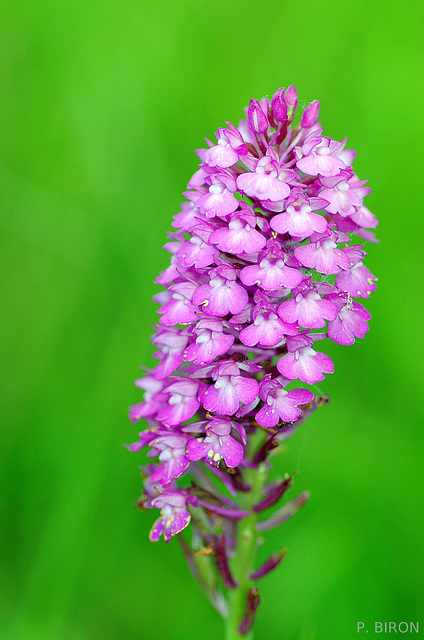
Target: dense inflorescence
[[262, 269]]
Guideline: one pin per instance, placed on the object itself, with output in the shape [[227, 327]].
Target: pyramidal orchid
[[262, 273]]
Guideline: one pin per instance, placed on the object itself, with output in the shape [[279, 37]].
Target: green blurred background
[[101, 107]]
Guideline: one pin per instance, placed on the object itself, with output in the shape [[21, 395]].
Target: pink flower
[[357, 281], [210, 342], [217, 444], [273, 271], [350, 322], [240, 236], [198, 251], [174, 516], [308, 309], [181, 402], [322, 253], [280, 405], [179, 308], [303, 362], [219, 201], [318, 156], [228, 151], [230, 389], [222, 295], [269, 182], [298, 219], [267, 328], [344, 192], [170, 447]]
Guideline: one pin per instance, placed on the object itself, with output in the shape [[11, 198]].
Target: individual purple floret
[[174, 516], [303, 362], [217, 444], [266, 261]]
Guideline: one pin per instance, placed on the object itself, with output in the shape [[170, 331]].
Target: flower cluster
[[262, 270]]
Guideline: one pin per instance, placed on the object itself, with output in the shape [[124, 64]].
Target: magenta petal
[[263, 186], [221, 297], [358, 281], [248, 389], [350, 322], [197, 449], [174, 414], [288, 311], [222, 398], [238, 238], [222, 155], [300, 396], [271, 274], [306, 365], [232, 452], [267, 417], [157, 530], [298, 223]]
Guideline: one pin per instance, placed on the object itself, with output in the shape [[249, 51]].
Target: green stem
[[242, 564]]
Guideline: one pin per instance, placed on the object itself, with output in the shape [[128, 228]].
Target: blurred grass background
[[101, 107]]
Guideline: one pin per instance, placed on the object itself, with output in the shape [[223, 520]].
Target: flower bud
[[279, 106], [291, 101], [310, 115], [258, 122], [252, 603]]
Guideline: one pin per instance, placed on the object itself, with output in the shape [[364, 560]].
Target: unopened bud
[[291, 100], [279, 106], [258, 121], [310, 115], [252, 603]]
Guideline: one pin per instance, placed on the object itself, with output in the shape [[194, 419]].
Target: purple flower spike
[[262, 268]]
